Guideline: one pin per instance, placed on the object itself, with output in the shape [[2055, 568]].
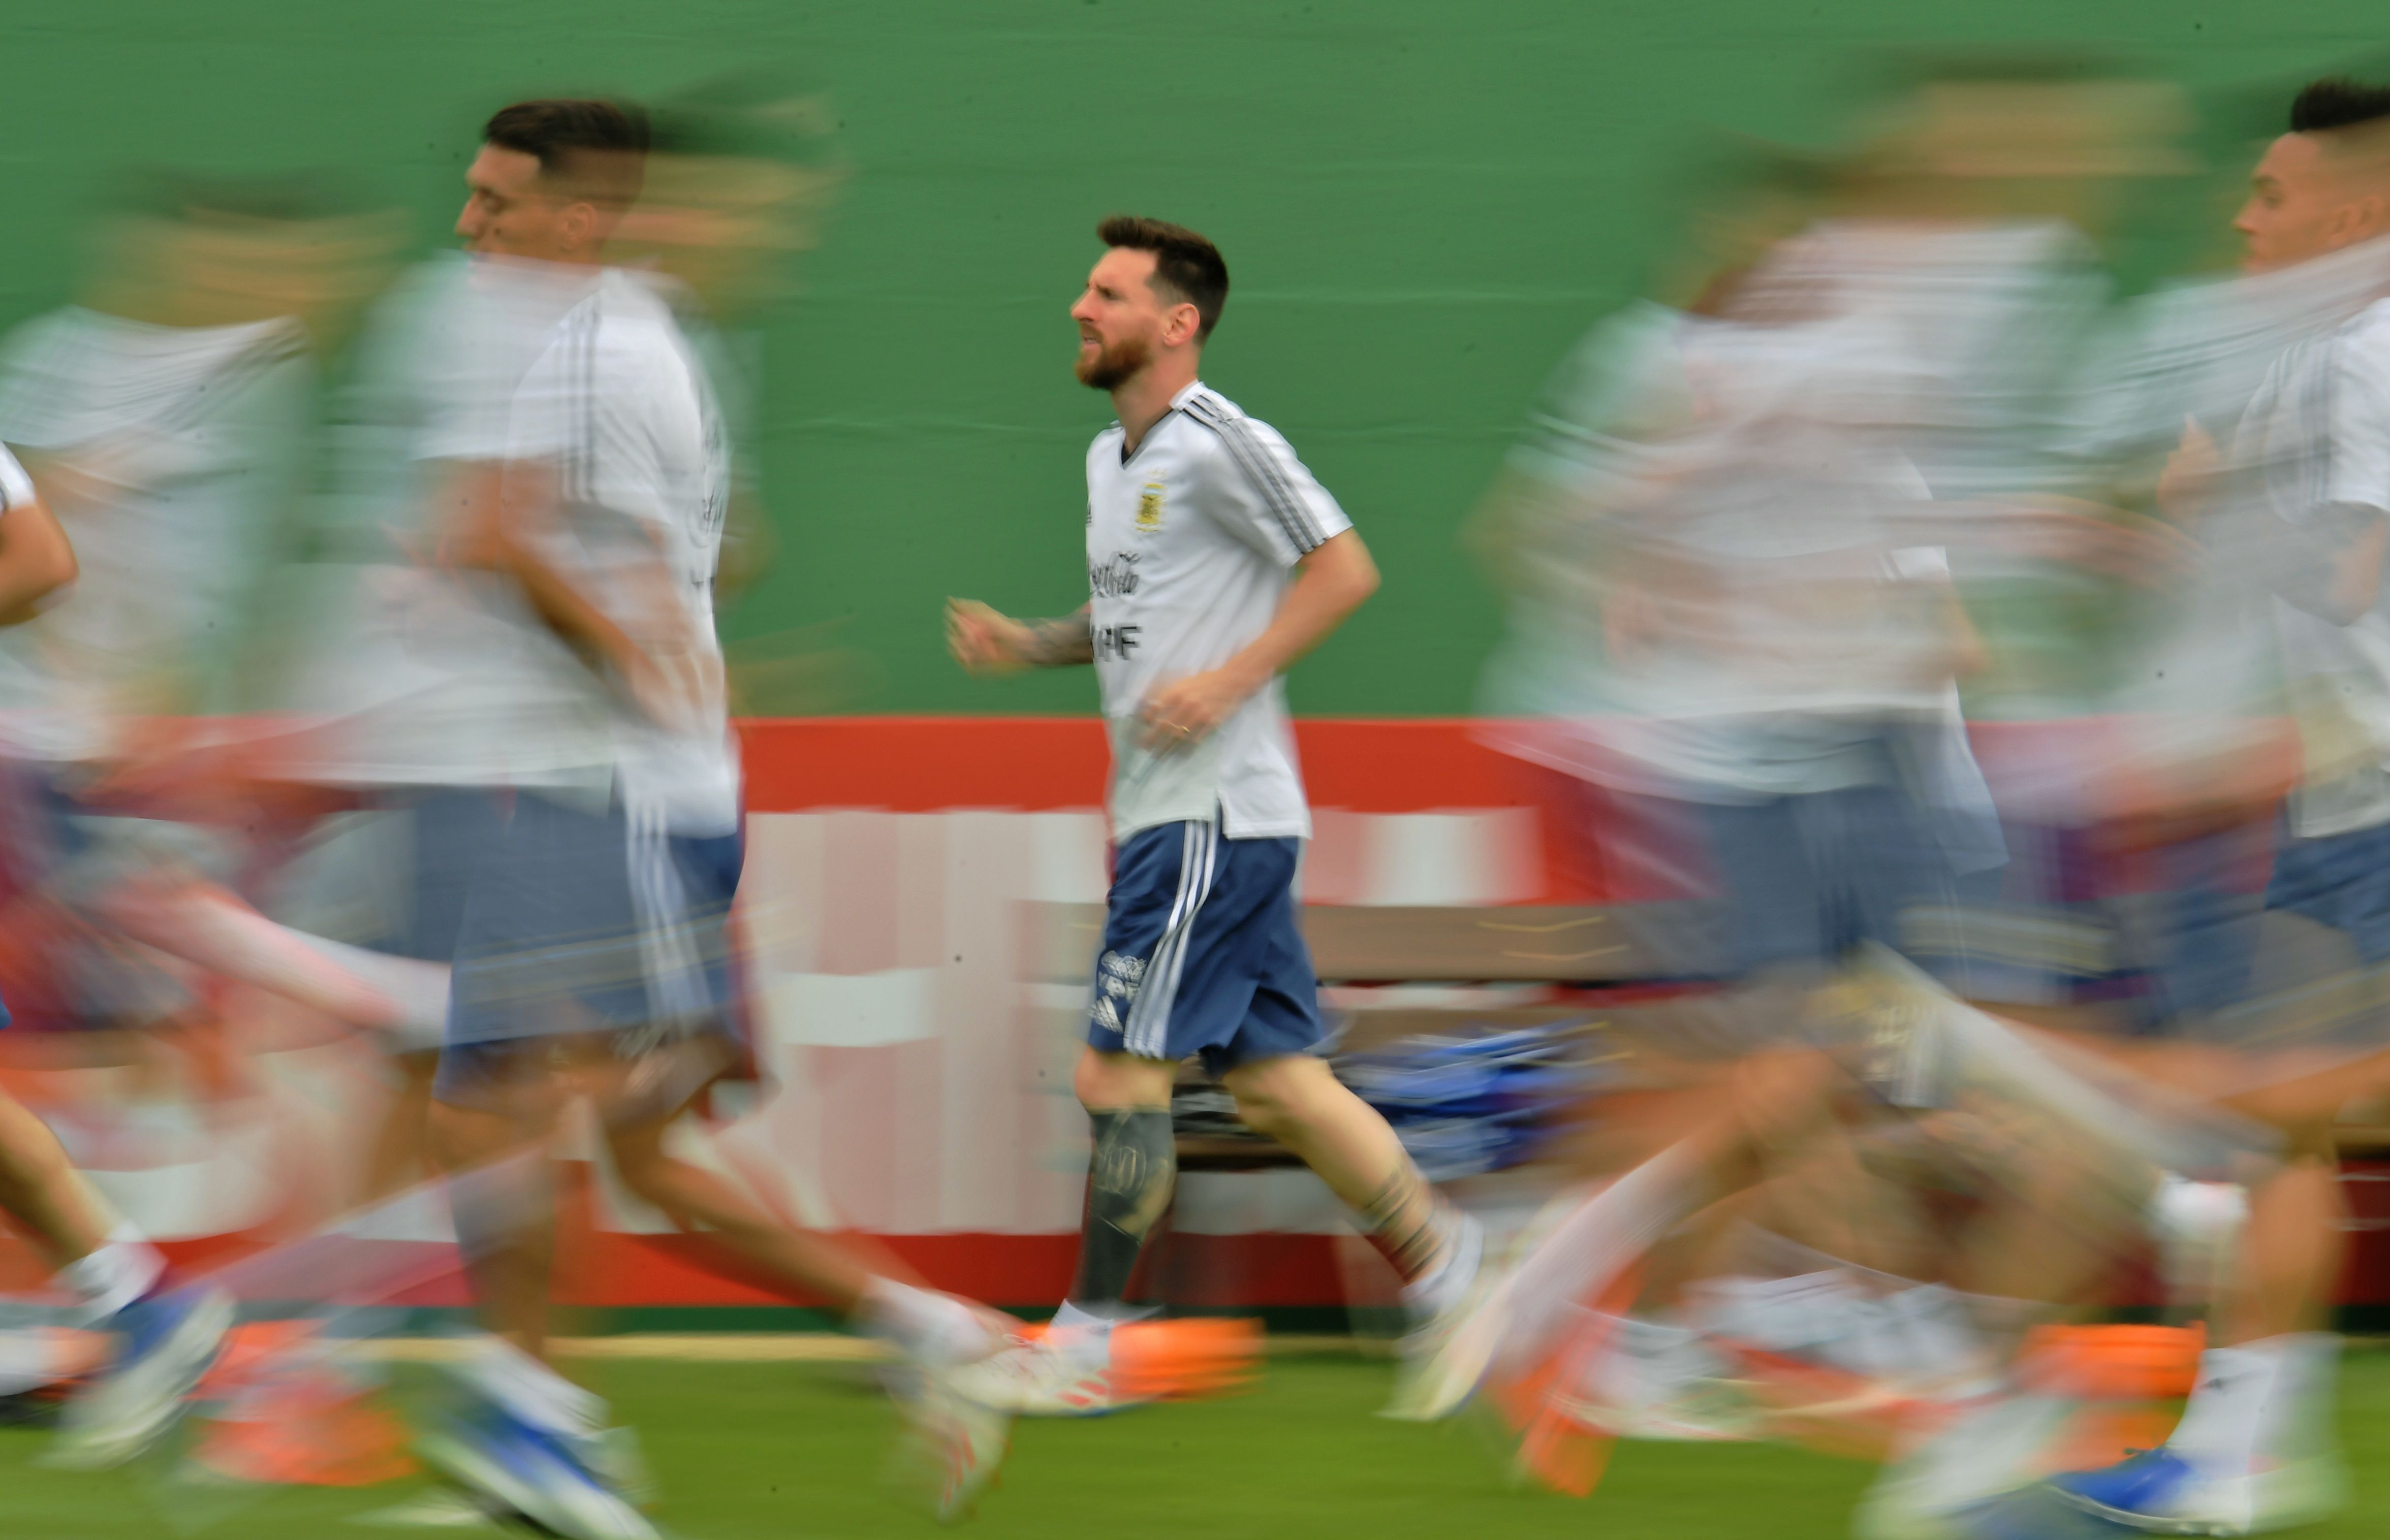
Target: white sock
[[1082, 1335], [931, 1328], [533, 1391], [1440, 1288], [1586, 1251], [1648, 1362], [2219, 1425], [2296, 1420], [124, 1268]]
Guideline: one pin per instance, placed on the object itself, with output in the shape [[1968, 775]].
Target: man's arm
[[1330, 584], [987, 642], [2331, 567], [488, 526], [36, 560]]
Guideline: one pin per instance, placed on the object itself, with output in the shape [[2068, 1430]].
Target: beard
[[1113, 366]]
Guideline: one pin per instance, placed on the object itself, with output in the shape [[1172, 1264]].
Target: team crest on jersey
[[1149, 508]]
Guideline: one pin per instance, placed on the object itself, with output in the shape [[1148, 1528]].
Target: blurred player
[[2298, 505], [1216, 560], [592, 957], [165, 417], [167, 1337], [1763, 527]]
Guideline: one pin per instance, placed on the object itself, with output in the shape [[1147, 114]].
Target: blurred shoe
[[1040, 1378], [1978, 1451], [954, 1449], [517, 1468], [1633, 1379], [1448, 1357], [2159, 1492], [167, 1342]]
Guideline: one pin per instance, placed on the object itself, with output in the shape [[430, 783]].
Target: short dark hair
[[2338, 102], [592, 141], [1184, 262]]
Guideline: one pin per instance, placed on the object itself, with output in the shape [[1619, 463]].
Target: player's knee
[[645, 1173], [1265, 1102], [1104, 1082], [1267, 1114]]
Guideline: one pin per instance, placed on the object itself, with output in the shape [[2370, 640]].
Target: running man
[[1215, 561], [2297, 505], [167, 1337], [592, 955]]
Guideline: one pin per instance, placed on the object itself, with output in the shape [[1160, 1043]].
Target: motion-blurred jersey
[[168, 453]]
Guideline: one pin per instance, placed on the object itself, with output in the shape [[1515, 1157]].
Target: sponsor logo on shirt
[[1115, 578]]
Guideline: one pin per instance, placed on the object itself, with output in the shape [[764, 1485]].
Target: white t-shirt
[[176, 448], [2316, 436], [619, 412], [1191, 546], [427, 676]]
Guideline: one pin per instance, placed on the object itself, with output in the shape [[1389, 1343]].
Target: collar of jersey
[[1178, 404]]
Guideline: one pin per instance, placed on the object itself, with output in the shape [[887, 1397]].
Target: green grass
[[782, 1450]]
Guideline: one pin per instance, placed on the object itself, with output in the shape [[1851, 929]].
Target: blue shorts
[[2161, 930], [1201, 953], [1806, 878], [448, 830], [2341, 880], [577, 926]]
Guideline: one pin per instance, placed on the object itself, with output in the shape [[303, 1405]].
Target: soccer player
[[162, 417], [592, 958], [2298, 504], [1215, 561], [168, 1336]]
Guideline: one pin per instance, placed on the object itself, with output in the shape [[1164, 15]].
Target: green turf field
[[788, 1450]]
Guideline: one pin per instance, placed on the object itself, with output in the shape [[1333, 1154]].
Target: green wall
[[1423, 204]]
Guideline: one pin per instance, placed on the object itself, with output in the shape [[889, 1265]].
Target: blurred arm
[[36, 560], [490, 523], [2331, 567], [985, 641]]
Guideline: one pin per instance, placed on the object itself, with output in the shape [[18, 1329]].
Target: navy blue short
[[1201, 953], [2341, 880], [576, 925], [449, 830], [1804, 878]]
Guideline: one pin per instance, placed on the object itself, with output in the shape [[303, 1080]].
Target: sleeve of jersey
[[1280, 508], [2358, 431], [15, 487]]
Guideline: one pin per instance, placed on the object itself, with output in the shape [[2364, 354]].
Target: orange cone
[[292, 1417]]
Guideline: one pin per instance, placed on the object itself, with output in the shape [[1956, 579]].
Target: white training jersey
[[1191, 546], [425, 674], [2317, 438], [620, 413], [172, 450]]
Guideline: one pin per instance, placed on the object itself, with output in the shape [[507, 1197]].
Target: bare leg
[[400, 1148], [41, 1189], [694, 1198], [1298, 1101], [508, 1229]]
